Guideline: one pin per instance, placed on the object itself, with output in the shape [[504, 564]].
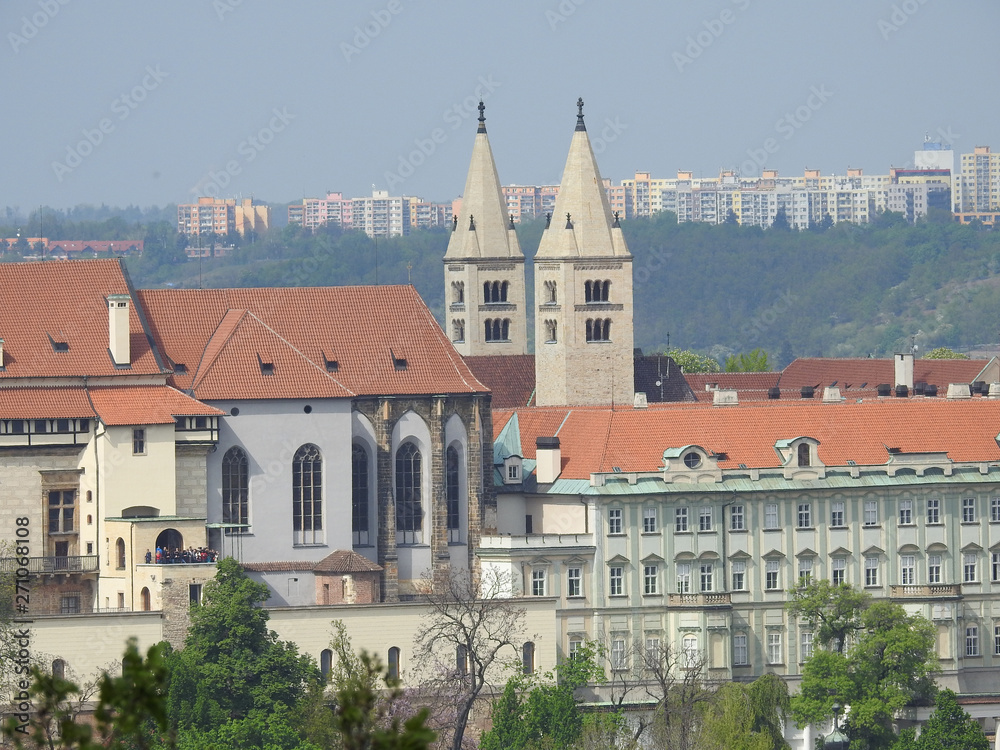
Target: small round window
[[692, 460]]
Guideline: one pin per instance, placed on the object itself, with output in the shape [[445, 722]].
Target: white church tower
[[583, 292], [484, 267]]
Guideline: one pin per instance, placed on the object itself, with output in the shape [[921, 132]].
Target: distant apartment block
[[978, 183], [380, 215], [222, 216]]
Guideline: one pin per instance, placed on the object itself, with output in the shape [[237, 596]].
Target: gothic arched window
[[307, 494], [235, 489], [409, 510], [359, 495]]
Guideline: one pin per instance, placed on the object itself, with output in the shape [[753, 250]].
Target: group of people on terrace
[[168, 556]]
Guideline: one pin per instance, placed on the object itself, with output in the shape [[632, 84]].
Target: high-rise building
[[221, 216], [978, 186]]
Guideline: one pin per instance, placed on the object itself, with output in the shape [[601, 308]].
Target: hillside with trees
[[839, 291]]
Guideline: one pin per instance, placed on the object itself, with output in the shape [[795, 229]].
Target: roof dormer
[[800, 458], [513, 470], [690, 464]]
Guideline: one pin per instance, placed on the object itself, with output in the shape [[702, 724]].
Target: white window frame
[[574, 581], [770, 516], [653, 652], [905, 512], [806, 645], [689, 651], [772, 575], [649, 521], [907, 570], [933, 511], [972, 640], [681, 520], [838, 510], [619, 661], [838, 570], [651, 579], [774, 655], [615, 520], [805, 570], [995, 510], [803, 517], [616, 580], [871, 572], [538, 580], [870, 513], [970, 567], [705, 518], [741, 654], [706, 573], [737, 518], [683, 578], [933, 569], [739, 571], [968, 510]]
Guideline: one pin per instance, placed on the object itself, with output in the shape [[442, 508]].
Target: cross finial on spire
[[472, 223], [482, 117], [579, 115], [569, 222]]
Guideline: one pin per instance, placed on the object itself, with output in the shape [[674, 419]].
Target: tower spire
[[482, 117], [579, 115]]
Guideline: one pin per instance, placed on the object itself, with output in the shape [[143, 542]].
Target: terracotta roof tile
[[146, 404], [346, 561], [362, 329], [45, 403], [598, 439], [824, 371], [66, 302], [277, 567], [511, 378]]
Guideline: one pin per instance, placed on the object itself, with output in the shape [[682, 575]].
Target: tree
[[676, 681], [950, 728], [692, 361], [834, 611], [781, 220], [943, 352], [746, 717], [888, 663], [234, 681], [464, 639], [130, 711], [754, 361]]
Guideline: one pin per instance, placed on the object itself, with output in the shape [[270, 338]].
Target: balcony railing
[[36, 565], [929, 591], [720, 599]]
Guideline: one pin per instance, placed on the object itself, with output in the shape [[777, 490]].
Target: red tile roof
[[510, 377], [146, 404], [66, 302], [598, 439], [338, 561], [45, 403], [362, 329], [854, 372], [749, 385]]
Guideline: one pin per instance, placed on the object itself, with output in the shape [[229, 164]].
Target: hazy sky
[[135, 102]]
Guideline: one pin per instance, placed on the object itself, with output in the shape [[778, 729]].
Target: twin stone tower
[[583, 282]]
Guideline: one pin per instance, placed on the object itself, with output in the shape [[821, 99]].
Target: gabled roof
[[659, 377], [64, 303], [597, 439], [377, 340]]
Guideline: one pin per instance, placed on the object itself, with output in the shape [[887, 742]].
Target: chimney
[[725, 398], [959, 390], [831, 395], [904, 370], [118, 331], [548, 460]]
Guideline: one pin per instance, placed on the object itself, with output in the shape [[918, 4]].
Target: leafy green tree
[[889, 663], [692, 361], [781, 220], [746, 717], [943, 352], [834, 611], [234, 680], [950, 728], [130, 713], [755, 360]]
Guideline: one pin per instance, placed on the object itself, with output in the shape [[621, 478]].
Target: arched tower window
[[409, 510], [505, 329], [550, 293], [458, 331], [457, 292], [144, 596], [528, 658], [359, 495], [596, 291], [235, 489], [497, 329], [120, 553], [550, 332], [393, 666], [59, 669], [307, 495], [326, 663], [503, 291], [452, 494]]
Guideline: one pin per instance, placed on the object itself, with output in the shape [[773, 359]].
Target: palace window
[[907, 576], [871, 571], [773, 647], [739, 569], [806, 640], [837, 513], [650, 579], [615, 576], [741, 655], [905, 512], [934, 510], [538, 576], [934, 569], [574, 582], [649, 521], [705, 519], [771, 570], [972, 640], [737, 518], [805, 515], [970, 568], [838, 571], [871, 513], [615, 521], [707, 571], [62, 511], [805, 571], [681, 520], [771, 516], [968, 510], [683, 578], [235, 489]]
